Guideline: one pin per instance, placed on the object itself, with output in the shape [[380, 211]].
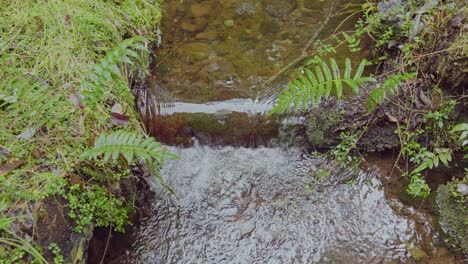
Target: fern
[[130, 144], [388, 87], [30, 101], [105, 74], [311, 86]]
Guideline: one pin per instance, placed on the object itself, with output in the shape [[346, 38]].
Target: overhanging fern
[[130, 145], [388, 87], [104, 76], [311, 86]]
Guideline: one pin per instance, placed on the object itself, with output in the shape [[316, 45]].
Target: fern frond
[[311, 86], [130, 145], [98, 84], [30, 101], [389, 86]]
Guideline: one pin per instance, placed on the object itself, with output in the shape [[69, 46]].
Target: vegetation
[[407, 94], [69, 125], [309, 88]]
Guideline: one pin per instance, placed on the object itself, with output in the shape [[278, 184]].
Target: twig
[[304, 54]]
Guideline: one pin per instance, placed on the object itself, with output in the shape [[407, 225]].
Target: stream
[[246, 191]]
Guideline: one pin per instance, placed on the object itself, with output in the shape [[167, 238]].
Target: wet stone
[[279, 8], [196, 25], [207, 35], [200, 9], [247, 8], [229, 23], [196, 50]]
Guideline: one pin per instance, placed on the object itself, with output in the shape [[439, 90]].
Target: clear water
[[258, 205], [265, 205]]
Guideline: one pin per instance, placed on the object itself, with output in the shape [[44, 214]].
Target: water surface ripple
[[239, 205]]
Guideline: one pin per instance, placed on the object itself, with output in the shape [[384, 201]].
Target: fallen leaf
[[119, 119], [117, 108], [4, 151], [74, 179], [424, 98]]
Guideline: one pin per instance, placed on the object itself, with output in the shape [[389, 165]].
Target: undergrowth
[[405, 35], [66, 68]]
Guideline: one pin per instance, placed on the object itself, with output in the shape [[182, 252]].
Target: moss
[[453, 216], [417, 253], [322, 123]]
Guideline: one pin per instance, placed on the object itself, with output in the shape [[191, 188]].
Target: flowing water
[[245, 191]]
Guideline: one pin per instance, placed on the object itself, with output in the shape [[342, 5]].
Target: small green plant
[[342, 152], [353, 42], [418, 186], [322, 174], [310, 87], [55, 249], [96, 206], [463, 139]]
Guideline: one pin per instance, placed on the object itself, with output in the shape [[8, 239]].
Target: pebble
[[229, 23], [462, 188]]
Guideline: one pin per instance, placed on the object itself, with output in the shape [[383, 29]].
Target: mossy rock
[[321, 124], [453, 216]]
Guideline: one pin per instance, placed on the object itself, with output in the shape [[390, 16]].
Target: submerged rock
[[246, 8], [201, 9], [194, 26], [196, 50], [453, 216], [279, 8]]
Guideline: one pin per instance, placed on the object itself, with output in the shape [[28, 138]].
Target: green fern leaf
[[389, 86], [130, 145], [100, 80], [311, 86]]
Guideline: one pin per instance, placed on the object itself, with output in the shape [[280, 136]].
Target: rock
[[393, 11], [207, 35], [229, 23], [269, 28], [462, 188], [325, 124], [322, 123], [200, 9], [246, 8], [279, 8], [196, 25], [453, 216], [196, 50], [54, 225]]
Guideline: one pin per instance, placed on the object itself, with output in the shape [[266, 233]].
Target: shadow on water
[[241, 196]]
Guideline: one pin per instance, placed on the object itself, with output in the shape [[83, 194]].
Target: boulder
[[196, 50], [452, 209], [325, 124]]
